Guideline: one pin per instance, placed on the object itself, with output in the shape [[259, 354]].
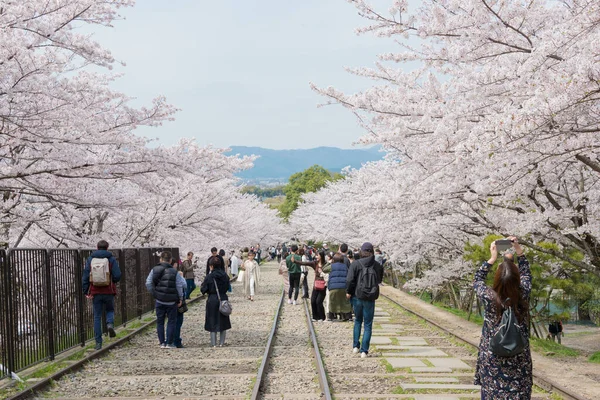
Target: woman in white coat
[[251, 276]]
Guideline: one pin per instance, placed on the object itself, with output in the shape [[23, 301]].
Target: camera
[[503, 244]]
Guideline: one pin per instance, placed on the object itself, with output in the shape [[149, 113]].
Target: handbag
[[319, 284], [224, 305], [507, 339], [183, 307]]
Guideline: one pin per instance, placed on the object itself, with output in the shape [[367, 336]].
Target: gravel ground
[[141, 369]]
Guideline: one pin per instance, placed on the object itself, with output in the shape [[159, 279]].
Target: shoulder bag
[[224, 305], [319, 283]]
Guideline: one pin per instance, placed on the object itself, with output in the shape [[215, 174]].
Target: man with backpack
[[362, 288], [99, 277], [168, 289]]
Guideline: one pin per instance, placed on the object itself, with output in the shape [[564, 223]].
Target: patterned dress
[[502, 378]]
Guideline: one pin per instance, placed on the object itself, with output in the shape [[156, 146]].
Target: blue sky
[[240, 70]]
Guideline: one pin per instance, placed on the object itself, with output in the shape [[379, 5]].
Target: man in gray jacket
[[168, 289], [187, 267]]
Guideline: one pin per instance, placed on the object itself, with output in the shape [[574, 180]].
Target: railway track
[[273, 353], [269, 353]]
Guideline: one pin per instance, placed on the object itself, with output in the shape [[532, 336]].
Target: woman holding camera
[[504, 377]]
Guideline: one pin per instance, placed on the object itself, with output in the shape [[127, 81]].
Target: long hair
[[322, 260], [507, 285]]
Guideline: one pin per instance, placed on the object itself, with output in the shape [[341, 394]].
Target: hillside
[[279, 165]]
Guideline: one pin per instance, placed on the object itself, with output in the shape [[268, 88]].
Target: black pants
[[294, 285], [316, 302], [305, 285]]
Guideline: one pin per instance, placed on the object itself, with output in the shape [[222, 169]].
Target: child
[[179, 322]]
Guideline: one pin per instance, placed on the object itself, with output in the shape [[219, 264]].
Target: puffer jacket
[[337, 277]]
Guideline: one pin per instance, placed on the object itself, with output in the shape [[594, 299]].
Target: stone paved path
[[575, 374]]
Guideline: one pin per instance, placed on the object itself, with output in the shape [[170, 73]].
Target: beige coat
[[251, 268]]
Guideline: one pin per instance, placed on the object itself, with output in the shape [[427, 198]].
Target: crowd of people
[[345, 288]]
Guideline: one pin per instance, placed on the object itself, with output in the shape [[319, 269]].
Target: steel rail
[[268, 351], [541, 381], [41, 385], [320, 365]]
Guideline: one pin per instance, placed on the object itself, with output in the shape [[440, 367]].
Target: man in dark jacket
[[362, 287], [168, 289], [103, 297], [344, 252]]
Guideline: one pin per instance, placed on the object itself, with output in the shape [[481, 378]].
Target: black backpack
[[367, 287], [507, 339]]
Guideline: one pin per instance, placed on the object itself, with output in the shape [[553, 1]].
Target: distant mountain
[[279, 165]]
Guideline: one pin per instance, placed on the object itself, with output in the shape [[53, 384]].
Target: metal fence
[[43, 310]]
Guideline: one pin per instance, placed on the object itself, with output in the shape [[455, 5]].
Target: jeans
[[108, 302], [316, 302], [294, 285], [170, 311], [364, 311], [177, 333], [191, 285]]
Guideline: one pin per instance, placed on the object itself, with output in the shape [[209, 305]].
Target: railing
[[43, 311]]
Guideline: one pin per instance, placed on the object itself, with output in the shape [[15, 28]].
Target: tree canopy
[[309, 180]]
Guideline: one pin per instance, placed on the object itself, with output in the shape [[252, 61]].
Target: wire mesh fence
[[43, 310]]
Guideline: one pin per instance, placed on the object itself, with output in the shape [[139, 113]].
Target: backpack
[[507, 339], [100, 272], [367, 287]]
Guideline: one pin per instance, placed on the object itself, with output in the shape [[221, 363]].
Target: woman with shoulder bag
[[216, 284], [501, 376], [319, 289]]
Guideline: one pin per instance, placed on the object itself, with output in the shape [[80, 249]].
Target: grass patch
[[544, 346], [460, 313], [398, 390], [595, 358], [427, 362], [394, 341], [48, 370], [387, 365]]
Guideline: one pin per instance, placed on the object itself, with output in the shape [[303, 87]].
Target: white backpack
[[100, 272]]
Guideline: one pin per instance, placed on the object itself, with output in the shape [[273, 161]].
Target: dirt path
[[575, 374]]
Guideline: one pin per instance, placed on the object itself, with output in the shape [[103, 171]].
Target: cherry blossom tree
[[71, 168], [491, 110]]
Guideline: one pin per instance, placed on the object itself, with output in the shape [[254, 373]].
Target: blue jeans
[[364, 311], [170, 311], [108, 302], [191, 285], [177, 334]]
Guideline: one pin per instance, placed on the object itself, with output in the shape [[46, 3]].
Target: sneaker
[[111, 330], [180, 346], [363, 355], [163, 345], [98, 346], [170, 346], [290, 301], [294, 303], [355, 350]]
